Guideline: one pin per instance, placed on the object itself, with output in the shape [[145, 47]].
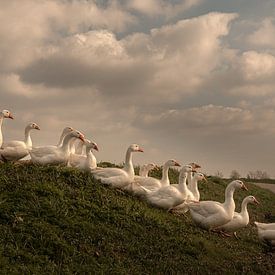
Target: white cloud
[[161, 7], [264, 35]]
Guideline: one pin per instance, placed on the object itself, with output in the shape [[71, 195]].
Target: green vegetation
[[57, 220]]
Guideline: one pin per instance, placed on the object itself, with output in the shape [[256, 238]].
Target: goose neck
[[1, 135], [182, 182], [165, 175], [244, 211], [28, 140], [91, 160], [128, 166], [66, 143], [229, 202]]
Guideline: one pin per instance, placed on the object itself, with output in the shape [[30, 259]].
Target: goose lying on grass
[[168, 197], [54, 154], [145, 169], [15, 149], [118, 177], [266, 232], [193, 192], [211, 214], [86, 162], [151, 183]]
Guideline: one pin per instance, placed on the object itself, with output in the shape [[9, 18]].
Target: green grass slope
[[61, 221]]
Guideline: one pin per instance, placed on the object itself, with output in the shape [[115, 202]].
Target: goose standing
[[211, 214], [241, 219], [150, 183], [168, 197], [3, 114], [54, 154], [87, 162], [118, 177], [14, 150]]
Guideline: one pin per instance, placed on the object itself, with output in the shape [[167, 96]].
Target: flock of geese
[[74, 150]]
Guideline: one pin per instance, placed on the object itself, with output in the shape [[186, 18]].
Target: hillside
[[56, 220]]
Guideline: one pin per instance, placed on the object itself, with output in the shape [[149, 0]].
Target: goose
[[15, 149], [119, 177], [87, 162], [168, 197], [65, 131], [145, 169], [3, 114], [151, 183], [193, 192], [266, 232], [241, 219], [211, 214], [54, 154]]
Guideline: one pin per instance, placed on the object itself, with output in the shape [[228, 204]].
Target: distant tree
[[258, 174], [219, 174], [235, 175]]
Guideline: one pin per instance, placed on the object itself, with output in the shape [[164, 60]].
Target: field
[[57, 220]]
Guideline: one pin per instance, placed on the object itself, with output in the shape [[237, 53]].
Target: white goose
[[3, 114], [168, 197], [150, 183], [14, 150], [241, 219], [53, 154], [193, 192], [266, 232], [119, 177], [65, 131], [145, 169], [211, 214], [87, 162]]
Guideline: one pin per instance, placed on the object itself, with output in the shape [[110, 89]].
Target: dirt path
[[268, 186]]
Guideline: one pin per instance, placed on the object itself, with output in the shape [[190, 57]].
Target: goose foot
[[235, 235]]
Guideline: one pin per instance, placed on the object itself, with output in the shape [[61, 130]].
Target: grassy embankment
[[61, 221]]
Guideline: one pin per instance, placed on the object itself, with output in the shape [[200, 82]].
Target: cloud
[[160, 7], [265, 35], [174, 58]]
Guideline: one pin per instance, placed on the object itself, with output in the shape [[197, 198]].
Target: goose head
[[195, 165], [150, 166], [185, 169], [7, 114], [90, 144], [238, 184], [200, 176], [33, 125], [135, 148], [172, 162], [67, 130], [77, 134], [252, 199]]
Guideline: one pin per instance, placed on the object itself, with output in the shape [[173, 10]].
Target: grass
[[57, 220]]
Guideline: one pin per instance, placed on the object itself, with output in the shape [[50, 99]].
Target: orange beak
[[95, 148], [140, 150], [177, 164], [37, 127], [81, 137], [256, 201], [205, 179], [10, 116], [244, 187]]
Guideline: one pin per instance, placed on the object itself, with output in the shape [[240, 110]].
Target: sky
[[192, 80]]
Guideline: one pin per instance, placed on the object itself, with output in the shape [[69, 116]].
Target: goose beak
[[205, 179], [37, 127], [82, 138], [244, 187], [11, 116], [96, 148], [140, 150], [177, 164], [256, 201]]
